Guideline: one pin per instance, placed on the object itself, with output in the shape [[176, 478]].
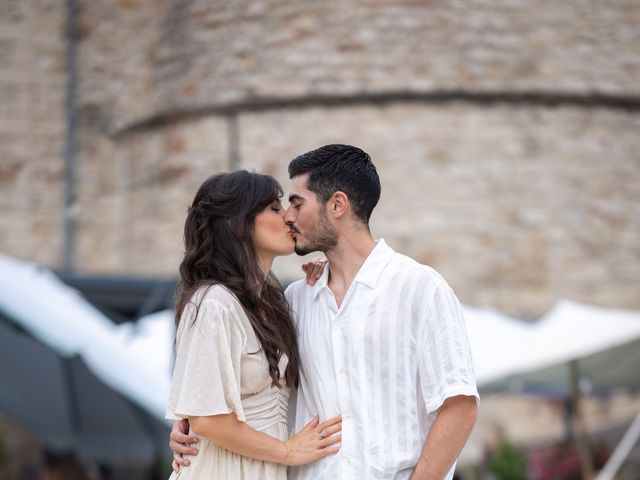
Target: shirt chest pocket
[[368, 326]]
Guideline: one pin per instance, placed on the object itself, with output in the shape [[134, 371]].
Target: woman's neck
[[265, 262]]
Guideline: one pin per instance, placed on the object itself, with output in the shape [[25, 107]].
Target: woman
[[236, 352]]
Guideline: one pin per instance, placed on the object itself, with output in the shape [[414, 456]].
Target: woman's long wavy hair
[[219, 250]]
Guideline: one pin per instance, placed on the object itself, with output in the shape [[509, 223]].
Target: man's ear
[[339, 204]]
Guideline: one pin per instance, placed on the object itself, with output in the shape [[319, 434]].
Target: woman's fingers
[[313, 270], [312, 424], [330, 451], [318, 268], [333, 439], [330, 422], [325, 432]]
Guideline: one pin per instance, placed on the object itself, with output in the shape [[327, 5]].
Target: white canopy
[[136, 360], [506, 351], [59, 317], [606, 341], [150, 340], [496, 342]]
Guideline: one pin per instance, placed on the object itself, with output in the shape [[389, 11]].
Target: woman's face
[[272, 236]]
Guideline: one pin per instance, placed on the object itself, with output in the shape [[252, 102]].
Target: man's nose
[[289, 216]]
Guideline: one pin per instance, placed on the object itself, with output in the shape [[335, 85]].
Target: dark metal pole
[[579, 427], [233, 134], [75, 423], [70, 143]]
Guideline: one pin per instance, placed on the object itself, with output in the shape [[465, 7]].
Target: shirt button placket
[[343, 393]]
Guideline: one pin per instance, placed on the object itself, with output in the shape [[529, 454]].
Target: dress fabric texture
[[220, 368]]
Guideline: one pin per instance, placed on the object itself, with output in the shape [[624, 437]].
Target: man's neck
[[345, 260]]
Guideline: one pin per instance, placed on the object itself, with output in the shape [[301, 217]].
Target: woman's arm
[[311, 443]]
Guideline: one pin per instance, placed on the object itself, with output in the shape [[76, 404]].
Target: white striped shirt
[[385, 360]]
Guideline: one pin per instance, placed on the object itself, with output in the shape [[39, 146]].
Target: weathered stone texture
[[31, 129], [187, 55], [135, 193], [518, 204], [118, 45], [517, 207]]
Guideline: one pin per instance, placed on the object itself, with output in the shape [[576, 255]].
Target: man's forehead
[[299, 182], [299, 187]]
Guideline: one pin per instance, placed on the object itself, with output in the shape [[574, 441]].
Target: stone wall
[[506, 133], [135, 191], [515, 206], [145, 58], [32, 129]]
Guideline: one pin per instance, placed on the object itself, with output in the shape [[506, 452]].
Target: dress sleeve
[[206, 376], [445, 365]]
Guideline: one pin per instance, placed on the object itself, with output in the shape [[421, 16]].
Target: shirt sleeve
[[206, 376], [445, 365]]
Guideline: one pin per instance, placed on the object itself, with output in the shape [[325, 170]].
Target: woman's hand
[[313, 270], [179, 442], [314, 441]]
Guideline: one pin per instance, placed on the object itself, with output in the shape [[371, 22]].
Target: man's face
[[306, 216]]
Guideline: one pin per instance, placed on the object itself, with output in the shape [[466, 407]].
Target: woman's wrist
[[285, 452]]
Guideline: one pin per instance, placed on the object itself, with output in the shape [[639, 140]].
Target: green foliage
[[506, 463]]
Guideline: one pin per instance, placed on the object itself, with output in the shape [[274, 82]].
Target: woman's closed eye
[[276, 207]]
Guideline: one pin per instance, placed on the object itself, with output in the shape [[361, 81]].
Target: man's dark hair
[[343, 168]]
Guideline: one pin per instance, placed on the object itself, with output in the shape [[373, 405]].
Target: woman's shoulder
[[218, 294], [212, 307], [211, 303]]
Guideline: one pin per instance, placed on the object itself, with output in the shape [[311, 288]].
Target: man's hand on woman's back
[[180, 444]]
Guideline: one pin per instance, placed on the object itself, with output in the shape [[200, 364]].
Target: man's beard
[[322, 239]]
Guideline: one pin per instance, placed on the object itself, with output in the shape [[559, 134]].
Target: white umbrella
[[58, 316], [605, 341], [68, 375], [572, 345]]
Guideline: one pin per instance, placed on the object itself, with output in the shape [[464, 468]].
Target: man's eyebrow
[[294, 197]]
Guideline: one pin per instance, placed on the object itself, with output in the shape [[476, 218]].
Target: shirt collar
[[369, 272]]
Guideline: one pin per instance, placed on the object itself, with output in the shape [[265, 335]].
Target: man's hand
[[313, 270], [179, 443]]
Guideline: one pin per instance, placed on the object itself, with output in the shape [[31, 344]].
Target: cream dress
[[219, 369]]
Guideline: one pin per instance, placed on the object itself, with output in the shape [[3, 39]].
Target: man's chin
[[302, 251]]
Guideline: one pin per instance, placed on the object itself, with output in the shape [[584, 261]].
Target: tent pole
[[578, 423], [621, 451], [72, 398]]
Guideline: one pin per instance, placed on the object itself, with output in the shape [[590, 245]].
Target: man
[[382, 338]]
